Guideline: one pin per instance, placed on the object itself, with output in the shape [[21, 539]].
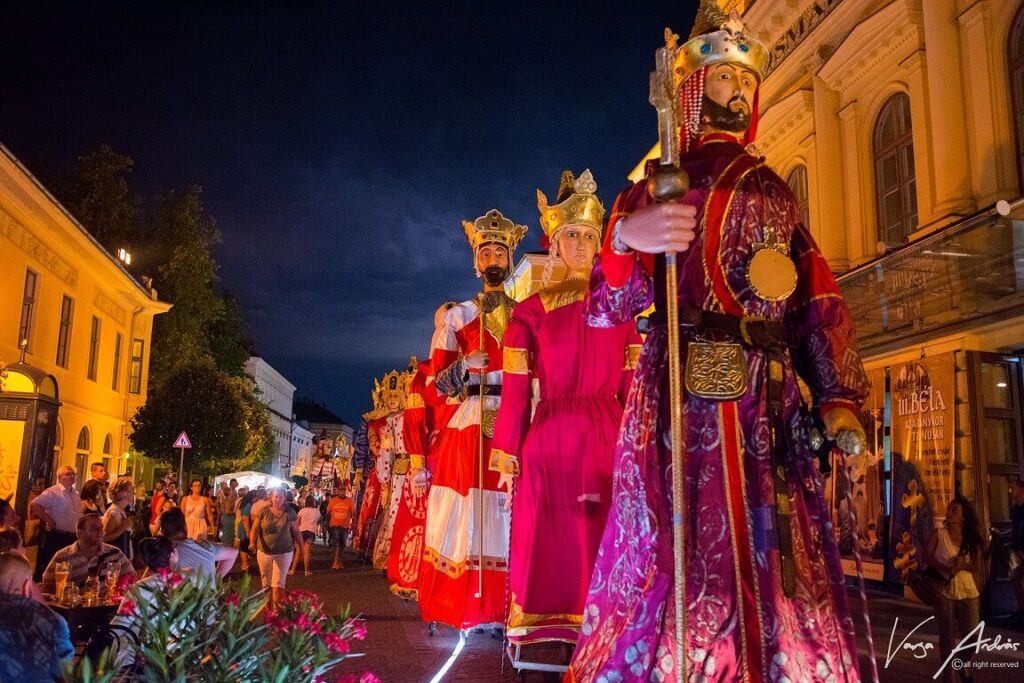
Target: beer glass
[[61, 572]]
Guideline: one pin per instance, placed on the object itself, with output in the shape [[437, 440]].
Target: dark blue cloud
[[339, 144]]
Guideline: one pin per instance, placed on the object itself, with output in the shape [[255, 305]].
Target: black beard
[[723, 118], [494, 276]]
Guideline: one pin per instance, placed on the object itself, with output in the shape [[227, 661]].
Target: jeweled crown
[[493, 227], [577, 205], [716, 38]]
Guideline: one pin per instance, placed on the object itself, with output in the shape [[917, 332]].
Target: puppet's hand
[[842, 425]]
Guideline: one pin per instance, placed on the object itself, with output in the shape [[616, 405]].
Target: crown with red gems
[[493, 227]]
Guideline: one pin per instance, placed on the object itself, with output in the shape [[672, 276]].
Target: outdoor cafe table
[[84, 620]]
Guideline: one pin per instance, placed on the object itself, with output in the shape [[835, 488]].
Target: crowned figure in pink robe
[[560, 456], [763, 591]]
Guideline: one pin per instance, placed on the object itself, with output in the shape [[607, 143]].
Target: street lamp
[[124, 257]]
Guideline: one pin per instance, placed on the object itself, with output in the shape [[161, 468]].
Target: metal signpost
[[181, 443]]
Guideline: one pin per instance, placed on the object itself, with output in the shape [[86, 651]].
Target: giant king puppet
[[426, 414], [464, 572], [393, 460], [733, 503], [373, 485], [560, 457]]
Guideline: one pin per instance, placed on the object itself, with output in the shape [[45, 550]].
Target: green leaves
[[228, 426], [207, 631]]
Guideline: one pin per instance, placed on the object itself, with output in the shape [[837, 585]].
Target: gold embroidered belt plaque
[[715, 370]]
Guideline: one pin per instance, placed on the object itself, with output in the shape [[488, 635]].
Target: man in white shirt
[[59, 508]]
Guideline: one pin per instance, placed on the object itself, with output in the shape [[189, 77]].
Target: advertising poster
[[923, 433]]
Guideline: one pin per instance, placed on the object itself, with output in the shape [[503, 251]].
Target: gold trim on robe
[[515, 361]]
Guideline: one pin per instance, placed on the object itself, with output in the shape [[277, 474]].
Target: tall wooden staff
[[668, 184], [480, 465]]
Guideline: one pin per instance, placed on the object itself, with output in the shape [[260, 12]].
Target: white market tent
[[251, 480]]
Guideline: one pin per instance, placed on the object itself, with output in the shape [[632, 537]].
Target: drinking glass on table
[[109, 575], [61, 572]]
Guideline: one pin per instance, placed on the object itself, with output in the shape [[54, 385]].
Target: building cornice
[[36, 201], [889, 35], [792, 116]]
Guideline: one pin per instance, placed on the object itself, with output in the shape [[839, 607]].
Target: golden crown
[[578, 205], [493, 227], [396, 383], [716, 38]]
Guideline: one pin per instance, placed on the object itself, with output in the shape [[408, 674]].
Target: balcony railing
[[968, 273]]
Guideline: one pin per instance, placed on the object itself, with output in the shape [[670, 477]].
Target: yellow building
[[85, 323], [898, 125]]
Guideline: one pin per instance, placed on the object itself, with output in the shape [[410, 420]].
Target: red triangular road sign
[[182, 441]]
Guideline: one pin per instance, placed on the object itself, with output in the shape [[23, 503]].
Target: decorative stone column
[[829, 198], [945, 109]]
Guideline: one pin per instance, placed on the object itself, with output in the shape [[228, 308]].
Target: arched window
[[107, 446], [1016, 62], [82, 449], [895, 185], [797, 182]]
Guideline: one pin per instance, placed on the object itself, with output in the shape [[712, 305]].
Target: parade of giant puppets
[[623, 461]]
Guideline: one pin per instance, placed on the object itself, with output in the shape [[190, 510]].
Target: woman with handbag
[[957, 551]]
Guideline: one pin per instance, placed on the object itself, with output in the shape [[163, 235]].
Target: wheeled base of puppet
[[514, 652]]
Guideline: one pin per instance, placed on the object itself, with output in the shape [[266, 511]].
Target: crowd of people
[[547, 473], [105, 534]]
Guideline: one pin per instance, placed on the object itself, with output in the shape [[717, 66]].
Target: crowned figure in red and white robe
[[393, 461], [465, 563], [424, 409]]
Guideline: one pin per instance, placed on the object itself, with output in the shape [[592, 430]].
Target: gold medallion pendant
[[770, 271], [715, 370]]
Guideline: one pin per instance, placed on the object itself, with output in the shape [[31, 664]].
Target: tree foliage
[[228, 338], [186, 277], [99, 197], [197, 380], [228, 427]]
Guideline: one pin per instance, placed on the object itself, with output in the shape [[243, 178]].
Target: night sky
[[339, 145]]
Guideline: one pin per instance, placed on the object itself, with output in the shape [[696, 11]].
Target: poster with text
[[923, 433]]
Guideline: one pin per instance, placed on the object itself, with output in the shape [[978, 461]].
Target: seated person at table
[[86, 555], [10, 541], [156, 553], [202, 559], [34, 640]]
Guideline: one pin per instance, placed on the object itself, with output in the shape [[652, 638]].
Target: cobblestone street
[[399, 648]]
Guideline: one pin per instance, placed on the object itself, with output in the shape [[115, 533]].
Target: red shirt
[[154, 507]]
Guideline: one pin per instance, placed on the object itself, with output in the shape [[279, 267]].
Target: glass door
[[997, 423]]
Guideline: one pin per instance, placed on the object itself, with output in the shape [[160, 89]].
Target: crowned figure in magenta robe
[[560, 455], [764, 593]]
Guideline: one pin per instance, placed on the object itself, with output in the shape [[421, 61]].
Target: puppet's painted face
[[577, 245], [728, 102]]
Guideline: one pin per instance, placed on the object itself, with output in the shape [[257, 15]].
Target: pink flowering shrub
[[208, 631]]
